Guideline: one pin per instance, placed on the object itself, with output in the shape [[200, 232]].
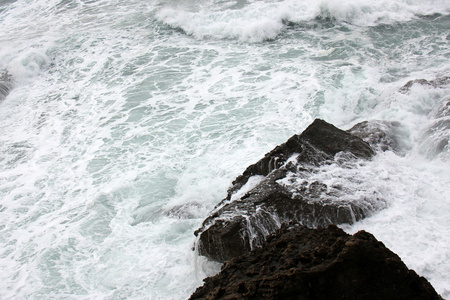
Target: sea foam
[[260, 21], [122, 132]]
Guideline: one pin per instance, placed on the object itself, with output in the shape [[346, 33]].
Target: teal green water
[[128, 121]]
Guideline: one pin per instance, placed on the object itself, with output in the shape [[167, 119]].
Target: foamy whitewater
[[127, 121]]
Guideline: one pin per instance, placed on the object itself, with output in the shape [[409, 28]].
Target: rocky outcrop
[[381, 135], [280, 188], [435, 83], [302, 263], [5, 84]]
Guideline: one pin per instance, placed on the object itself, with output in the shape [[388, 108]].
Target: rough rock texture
[[381, 135], [276, 190], [436, 83], [5, 84], [302, 263], [319, 142]]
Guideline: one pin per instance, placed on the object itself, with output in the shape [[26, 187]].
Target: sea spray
[[127, 122]]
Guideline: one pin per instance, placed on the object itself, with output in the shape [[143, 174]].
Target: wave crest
[[260, 21]]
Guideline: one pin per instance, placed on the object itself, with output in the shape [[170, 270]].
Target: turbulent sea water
[[127, 121]]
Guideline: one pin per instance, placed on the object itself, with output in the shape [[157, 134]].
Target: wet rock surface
[[381, 135], [302, 263], [279, 189], [435, 83]]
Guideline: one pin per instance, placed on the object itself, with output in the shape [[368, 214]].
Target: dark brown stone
[[302, 263]]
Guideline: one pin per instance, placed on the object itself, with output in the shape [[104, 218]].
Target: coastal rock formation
[[381, 135], [5, 84], [281, 188], [435, 83], [302, 263]]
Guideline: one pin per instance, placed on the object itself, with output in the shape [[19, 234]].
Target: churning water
[[127, 120]]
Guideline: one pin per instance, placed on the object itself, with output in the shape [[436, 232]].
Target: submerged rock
[[280, 188], [435, 139], [5, 84], [435, 83], [302, 263], [381, 135]]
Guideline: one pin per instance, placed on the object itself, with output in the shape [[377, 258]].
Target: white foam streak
[[252, 182]]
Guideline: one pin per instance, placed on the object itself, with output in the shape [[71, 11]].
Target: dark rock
[[278, 189], [381, 135], [302, 263], [319, 142], [436, 83], [5, 84]]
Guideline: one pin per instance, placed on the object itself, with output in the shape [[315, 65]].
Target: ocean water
[[127, 121]]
